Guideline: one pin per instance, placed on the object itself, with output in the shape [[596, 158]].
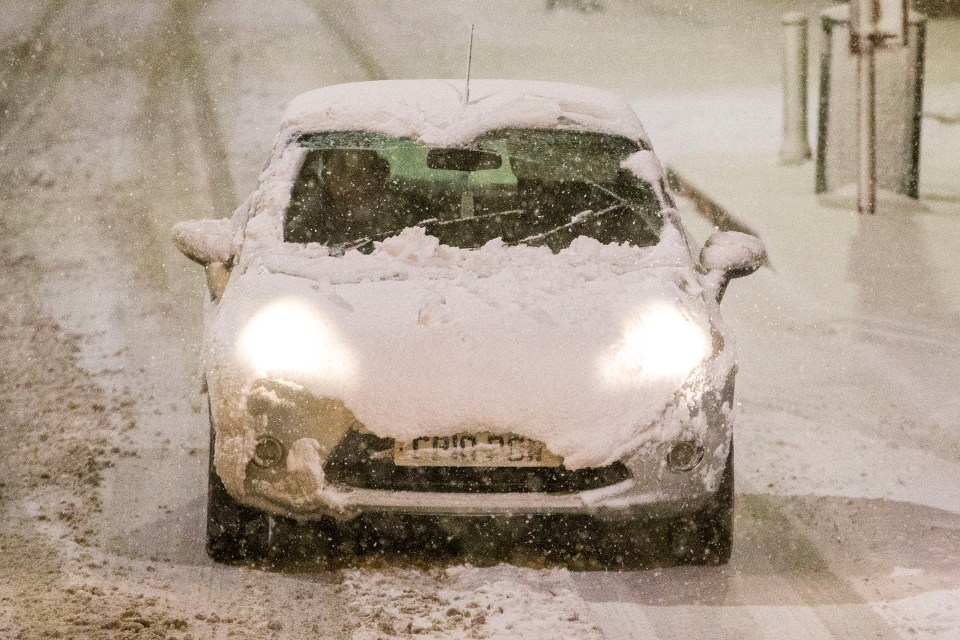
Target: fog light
[[684, 456], [268, 452]]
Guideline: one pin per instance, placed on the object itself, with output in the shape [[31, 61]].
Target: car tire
[[706, 536], [235, 532]]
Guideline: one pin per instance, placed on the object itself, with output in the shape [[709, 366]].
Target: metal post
[[867, 129], [845, 92], [796, 146], [863, 41]]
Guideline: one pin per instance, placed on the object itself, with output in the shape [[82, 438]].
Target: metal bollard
[[796, 145], [899, 100]]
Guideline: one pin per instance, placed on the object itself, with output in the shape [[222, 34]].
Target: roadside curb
[[706, 206]]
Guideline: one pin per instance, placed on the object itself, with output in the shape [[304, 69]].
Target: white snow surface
[[419, 338], [469, 602], [435, 112], [934, 615]]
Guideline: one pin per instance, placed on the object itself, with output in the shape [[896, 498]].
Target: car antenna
[[466, 95]]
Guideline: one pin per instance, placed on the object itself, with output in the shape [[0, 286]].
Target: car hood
[[420, 339]]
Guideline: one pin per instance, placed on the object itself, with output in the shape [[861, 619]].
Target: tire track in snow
[[784, 550], [502, 602], [101, 268], [25, 42], [219, 177], [351, 40], [779, 584], [22, 96]]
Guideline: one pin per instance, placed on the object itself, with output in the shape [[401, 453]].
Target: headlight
[[661, 342], [289, 336]]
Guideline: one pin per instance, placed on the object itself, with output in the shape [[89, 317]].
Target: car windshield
[[537, 187]]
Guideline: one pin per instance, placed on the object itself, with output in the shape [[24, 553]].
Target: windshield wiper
[[648, 219], [444, 223], [340, 249], [343, 247], [579, 218]]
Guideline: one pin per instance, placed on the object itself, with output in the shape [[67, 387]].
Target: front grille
[[364, 461]]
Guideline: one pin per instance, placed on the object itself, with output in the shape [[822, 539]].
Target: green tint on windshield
[[407, 159], [551, 186]]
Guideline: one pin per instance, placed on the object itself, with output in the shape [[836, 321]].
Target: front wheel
[[235, 532], [706, 536]]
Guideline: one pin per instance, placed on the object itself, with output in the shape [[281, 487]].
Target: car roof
[[434, 111]]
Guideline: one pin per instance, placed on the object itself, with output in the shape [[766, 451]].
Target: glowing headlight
[[660, 343], [288, 336]]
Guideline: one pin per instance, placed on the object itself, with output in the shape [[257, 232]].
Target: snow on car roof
[[434, 111]]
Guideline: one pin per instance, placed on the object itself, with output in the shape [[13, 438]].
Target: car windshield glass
[[538, 187]]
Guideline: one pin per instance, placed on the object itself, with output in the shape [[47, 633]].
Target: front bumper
[[625, 502], [653, 488]]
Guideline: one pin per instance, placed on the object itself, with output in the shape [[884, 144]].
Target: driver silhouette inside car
[[346, 195]]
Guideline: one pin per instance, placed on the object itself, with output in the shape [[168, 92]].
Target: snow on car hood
[[419, 338]]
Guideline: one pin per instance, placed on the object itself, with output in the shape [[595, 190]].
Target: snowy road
[[120, 119]]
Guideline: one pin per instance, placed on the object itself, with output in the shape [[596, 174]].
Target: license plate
[[474, 450]]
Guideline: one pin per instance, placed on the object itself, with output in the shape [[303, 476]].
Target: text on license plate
[[474, 450]]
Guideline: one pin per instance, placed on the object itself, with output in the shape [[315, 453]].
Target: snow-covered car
[[485, 307]]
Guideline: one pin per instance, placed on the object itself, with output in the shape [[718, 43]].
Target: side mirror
[[205, 241], [730, 254], [210, 243]]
